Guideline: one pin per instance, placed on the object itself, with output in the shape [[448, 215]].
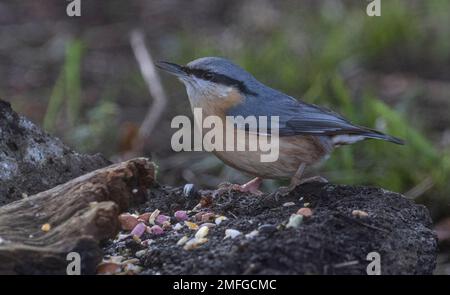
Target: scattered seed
[[135, 191], [219, 219], [166, 225], [144, 216], [360, 213], [178, 226], [128, 221], [152, 218], [294, 221], [207, 217], [305, 212], [288, 204], [232, 233], [46, 227], [252, 234], [181, 215], [132, 268], [182, 241], [138, 230], [191, 225], [105, 268], [162, 218], [202, 232], [194, 243], [156, 230]]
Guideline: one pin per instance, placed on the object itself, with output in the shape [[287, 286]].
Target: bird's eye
[[208, 76]]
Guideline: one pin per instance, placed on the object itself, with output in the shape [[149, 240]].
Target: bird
[[307, 133]]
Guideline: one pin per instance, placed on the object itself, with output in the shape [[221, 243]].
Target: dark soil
[[331, 241]]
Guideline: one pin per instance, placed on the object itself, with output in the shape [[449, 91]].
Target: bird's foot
[[250, 187], [285, 190]]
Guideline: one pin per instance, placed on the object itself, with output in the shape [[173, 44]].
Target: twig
[[420, 189], [155, 88]]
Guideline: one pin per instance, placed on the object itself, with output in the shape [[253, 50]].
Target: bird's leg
[[296, 180], [251, 187]]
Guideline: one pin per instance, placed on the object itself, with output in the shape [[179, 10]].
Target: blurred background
[[78, 78]]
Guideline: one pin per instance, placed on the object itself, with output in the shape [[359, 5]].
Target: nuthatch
[[307, 133]]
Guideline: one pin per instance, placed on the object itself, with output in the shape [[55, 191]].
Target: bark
[[81, 213]]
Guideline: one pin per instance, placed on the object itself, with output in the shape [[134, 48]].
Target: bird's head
[[211, 78]]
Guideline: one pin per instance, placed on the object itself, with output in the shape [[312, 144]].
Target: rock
[[32, 161]]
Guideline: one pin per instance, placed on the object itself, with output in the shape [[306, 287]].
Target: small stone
[[140, 253], [267, 228], [189, 190]]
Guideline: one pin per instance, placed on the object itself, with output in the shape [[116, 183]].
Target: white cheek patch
[[346, 139], [199, 88]]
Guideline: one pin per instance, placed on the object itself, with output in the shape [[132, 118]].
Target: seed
[[252, 234], [138, 230], [219, 219], [181, 215], [46, 227], [162, 218], [232, 233], [294, 221], [128, 221], [288, 204], [191, 225], [156, 230], [305, 212], [182, 241], [360, 213], [202, 232], [194, 243], [152, 218]]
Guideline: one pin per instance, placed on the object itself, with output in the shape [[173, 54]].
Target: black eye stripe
[[218, 78]]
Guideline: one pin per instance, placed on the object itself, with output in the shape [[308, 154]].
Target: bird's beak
[[171, 68]]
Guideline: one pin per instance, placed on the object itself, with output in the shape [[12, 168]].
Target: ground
[[331, 241]]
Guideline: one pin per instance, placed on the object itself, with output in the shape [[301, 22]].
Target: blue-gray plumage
[[307, 132]]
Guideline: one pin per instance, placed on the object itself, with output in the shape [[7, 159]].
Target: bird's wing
[[297, 117]]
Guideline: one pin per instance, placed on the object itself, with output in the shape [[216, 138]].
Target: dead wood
[[81, 213]]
